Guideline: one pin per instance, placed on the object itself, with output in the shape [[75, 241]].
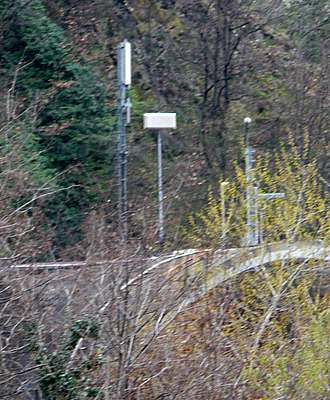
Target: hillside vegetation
[[92, 333], [212, 63]]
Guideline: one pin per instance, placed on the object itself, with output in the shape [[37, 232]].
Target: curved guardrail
[[223, 267]]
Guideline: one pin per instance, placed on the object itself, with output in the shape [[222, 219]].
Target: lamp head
[[247, 120]]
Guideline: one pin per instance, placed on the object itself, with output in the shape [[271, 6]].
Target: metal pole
[[223, 210], [160, 190], [261, 226], [257, 221], [122, 147], [250, 190]]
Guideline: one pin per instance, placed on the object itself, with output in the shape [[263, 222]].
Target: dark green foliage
[[74, 135], [71, 137], [309, 23], [73, 126], [63, 378], [64, 211], [82, 328], [30, 38]]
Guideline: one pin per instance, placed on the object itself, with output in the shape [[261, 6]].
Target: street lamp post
[[160, 121], [251, 213], [252, 191]]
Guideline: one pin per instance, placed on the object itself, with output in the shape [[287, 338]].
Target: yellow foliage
[[278, 321], [302, 215]]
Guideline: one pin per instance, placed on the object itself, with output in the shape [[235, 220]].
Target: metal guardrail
[[245, 258]]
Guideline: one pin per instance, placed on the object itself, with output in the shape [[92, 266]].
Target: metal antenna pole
[[251, 239], [124, 77], [160, 190]]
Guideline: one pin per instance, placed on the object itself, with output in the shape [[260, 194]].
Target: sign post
[[159, 121]]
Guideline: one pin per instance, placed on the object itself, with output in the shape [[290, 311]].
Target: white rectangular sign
[[159, 121]]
